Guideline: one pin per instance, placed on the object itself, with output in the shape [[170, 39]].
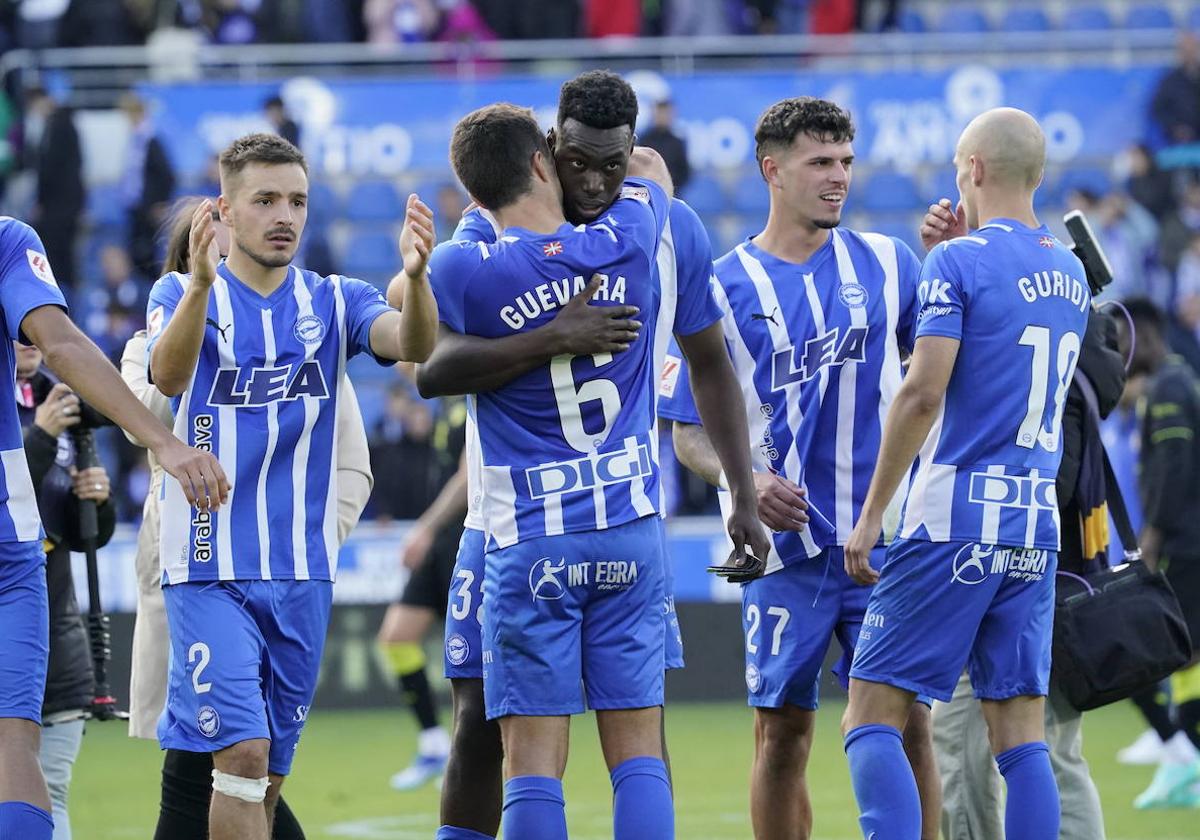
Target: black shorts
[[429, 586], [1184, 575]]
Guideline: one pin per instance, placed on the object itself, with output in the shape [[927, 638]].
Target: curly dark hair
[[259, 148], [820, 119], [598, 99], [491, 151]]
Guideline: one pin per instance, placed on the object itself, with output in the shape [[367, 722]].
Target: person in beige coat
[[183, 776]]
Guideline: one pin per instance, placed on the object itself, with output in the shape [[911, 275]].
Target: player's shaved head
[[266, 149], [1010, 144], [492, 153]]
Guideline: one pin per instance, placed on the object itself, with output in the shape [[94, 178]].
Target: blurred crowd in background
[[103, 242]]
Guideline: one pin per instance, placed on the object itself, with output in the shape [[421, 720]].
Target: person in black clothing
[[58, 163], [147, 184], [1169, 485], [662, 138], [48, 410], [1176, 103], [281, 123]]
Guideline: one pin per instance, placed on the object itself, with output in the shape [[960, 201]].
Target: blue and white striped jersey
[[1017, 299], [816, 348], [264, 399], [572, 446], [684, 259], [26, 282]]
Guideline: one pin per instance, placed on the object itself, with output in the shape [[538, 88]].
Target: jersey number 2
[[1032, 431]]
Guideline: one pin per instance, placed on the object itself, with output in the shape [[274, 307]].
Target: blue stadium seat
[[106, 207], [962, 19], [1024, 19], [910, 20], [374, 201], [370, 256], [1149, 17], [1085, 19], [750, 195], [705, 195], [887, 192], [323, 205], [1089, 178]]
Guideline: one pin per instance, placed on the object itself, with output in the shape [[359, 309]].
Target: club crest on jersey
[[309, 330], [544, 580], [259, 386], [457, 649], [831, 349], [40, 267], [208, 721], [853, 295], [753, 678]]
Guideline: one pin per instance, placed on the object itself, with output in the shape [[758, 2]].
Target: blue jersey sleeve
[[908, 269], [941, 292], [477, 225], [696, 309], [164, 298], [364, 303], [640, 212], [450, 268], [26, 279], [675, 400]]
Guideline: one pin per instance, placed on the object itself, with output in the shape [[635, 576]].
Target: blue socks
[[888, 802], [534, 809], [449, 832], [1033, 811], [642, 806], [22, 821]]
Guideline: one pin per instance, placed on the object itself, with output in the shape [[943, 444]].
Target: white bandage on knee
[[238, 787]]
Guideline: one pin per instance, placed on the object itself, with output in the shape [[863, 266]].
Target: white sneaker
[[1147, 749], [424, 769]]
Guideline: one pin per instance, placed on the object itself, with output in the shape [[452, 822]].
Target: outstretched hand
[[417, 239], [583, 329], [202, 245]]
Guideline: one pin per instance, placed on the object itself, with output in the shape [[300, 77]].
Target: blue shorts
[[941, 606], [576, 607], [244, 662], [24, 630], [464, 613], [789, 618]]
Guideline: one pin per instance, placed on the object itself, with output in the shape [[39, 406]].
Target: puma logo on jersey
[[259, 386], [758, 316], [210, 322], [831, 349]]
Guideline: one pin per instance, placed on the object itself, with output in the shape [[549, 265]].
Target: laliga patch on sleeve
[[41, 267], [642, 194], [154, 323], [670, 377]]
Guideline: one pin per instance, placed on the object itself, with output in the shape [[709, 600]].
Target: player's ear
[[223, 208], [542, 168], [770, 171], [977, 168]]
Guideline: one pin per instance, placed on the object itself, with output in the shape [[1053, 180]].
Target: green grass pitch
[[340, 784]]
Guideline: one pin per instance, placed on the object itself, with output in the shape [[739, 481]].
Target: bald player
[[969, 579]]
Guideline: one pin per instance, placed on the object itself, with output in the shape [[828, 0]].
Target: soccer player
[[571, 493], [35, 313], [969, 580], [253, 350], [592, 143], [816, 317]]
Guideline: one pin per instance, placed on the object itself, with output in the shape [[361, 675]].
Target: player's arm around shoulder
[[409, 335], [648, 164]]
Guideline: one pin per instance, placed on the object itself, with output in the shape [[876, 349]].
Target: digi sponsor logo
[[309, 330], [457, 649], [854, 295], [753, 678], [589, 472], [831, 349], [1013, 491], [208, 721], [970, 565]]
